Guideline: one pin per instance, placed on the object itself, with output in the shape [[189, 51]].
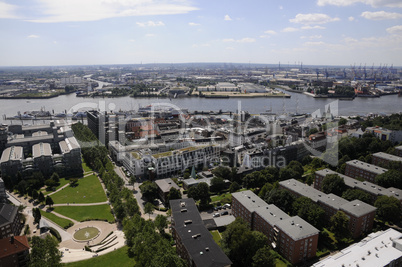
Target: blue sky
[[84, 32]]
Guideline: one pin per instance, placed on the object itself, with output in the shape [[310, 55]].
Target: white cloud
[[311, 37], [150, 35], [270, 32], [230, 48], [351, 18], [33, 36], [314, 43], [92, 10], [373, 3], [381, 15], [316, 18], [395, 29], [55, 42], [201, 45], [7, 11], [193, 24], [290, 29], [131, 40], [280, 7], [151, 23], [244, 40], [227, 17], [313, 27]]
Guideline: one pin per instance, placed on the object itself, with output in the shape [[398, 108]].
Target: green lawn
[[56, 219], [89, 190], [118, 257], [216, 235], [82, 213], [63, 182], [85, 167], [279, 263]]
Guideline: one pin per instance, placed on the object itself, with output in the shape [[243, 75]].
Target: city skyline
[[92, 32]]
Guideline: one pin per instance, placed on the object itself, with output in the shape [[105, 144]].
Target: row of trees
[[96, 156], [146, 246]]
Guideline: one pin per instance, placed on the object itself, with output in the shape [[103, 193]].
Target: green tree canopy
[[340, 224], [390, 178], [174, 194], [149, 209], [333, 183], [352, 194], [149, 190], [280, 198], [44, 252], [388, 209], [306, 209], [160, 223], [264, 258]]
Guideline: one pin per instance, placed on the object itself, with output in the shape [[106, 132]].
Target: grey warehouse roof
[[365, 166]]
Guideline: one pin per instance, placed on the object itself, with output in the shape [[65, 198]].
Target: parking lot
[[205, 215]]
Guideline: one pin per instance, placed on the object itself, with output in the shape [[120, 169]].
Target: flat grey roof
[[249, 200], [12, 153], [387, 156], [358, 207], [366, 185], [41, 149], [297, 228], [272, 214], [329, 199], [166, 184], [195, 237], [224, 220], [365, 166], [398, 147]]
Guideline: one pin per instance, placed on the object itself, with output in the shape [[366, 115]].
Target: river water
[[297, 103]]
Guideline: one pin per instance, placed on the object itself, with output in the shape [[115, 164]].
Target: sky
[[92, 32]]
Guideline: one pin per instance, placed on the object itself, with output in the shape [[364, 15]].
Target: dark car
[[224, 213]]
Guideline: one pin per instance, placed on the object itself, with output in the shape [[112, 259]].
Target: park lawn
[[117, 257], [62, 182], [280, 263], [89, 190], [56, 219], [217, 236], [86, 213]]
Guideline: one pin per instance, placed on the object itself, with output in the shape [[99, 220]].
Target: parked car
[[216, 215], [227, 206], [224, 213], [215, 208]]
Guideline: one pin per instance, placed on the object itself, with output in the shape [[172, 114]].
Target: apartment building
[[383, 159], [10, 224], [14, 251], [164, 186], [360, 169], [383, 248], [292, 237], [361, 215], [371, 188], [194, 243]]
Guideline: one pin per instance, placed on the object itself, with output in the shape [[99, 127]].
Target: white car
[[216, 215]]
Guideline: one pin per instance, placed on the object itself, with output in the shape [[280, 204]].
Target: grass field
[[85, 167], [62, 183], [115, 258], [89, 190], [82, 213], [56, 219], [216, 235]]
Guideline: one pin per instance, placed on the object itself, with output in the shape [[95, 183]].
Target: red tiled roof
[[7, 248]]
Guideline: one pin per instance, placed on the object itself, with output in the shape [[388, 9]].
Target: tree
[[217, 184], [119, 210], [388, 209], [73, 182], [342, 121], [35, 194], [160, 223], [44, 252], [280, 198], [297, 167], [49, 201], [264, 258], [149, 190], [288, 173], [333, 183], [265, 190], [234, 187], [390, 178], [149, 209], [41, 197], [132, 206], [306, 209], [55, 177], [200, 192], [352, 194], [340, 224], [174, 194], [36, 214], [240, 243]]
